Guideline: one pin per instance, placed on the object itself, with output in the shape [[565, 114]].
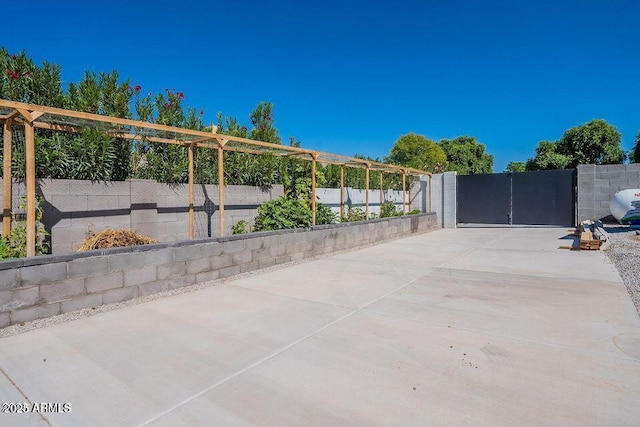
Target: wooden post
[[430, 178], [314, 156], [341, 191], [221, 185], [31, 187], [191, 196], [7, 179], [381, 193], [366, 195], [404, 192]]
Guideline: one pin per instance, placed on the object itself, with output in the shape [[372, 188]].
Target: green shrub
[[15, 245], [283, 213], [354, 214], [241, 227], [324, 215], [389, 209], [414, 212]]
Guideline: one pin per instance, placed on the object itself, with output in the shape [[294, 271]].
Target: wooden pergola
[[33, 116]]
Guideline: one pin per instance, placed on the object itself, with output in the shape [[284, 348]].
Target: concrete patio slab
[[401, 372], [454, 327]]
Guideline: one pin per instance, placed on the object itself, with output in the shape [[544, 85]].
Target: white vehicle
[[625, 206]]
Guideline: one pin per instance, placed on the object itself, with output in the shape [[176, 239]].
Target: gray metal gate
[[531, 198]]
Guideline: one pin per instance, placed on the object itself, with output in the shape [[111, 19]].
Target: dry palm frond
[[114, 239]]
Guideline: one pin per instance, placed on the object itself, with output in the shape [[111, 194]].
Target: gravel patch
[[623, 250]]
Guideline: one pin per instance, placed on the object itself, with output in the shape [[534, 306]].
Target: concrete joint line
[[24, 395], [272, 355], [473, 249]]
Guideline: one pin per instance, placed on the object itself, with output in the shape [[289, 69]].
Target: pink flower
[[180, 95], [137, 88]]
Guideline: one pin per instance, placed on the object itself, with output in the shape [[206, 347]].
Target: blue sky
[[352, 76]]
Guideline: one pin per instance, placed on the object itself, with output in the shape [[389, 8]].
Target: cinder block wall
[[73, 208], [597, 184], [443, 197], [357, 198], [38, 287]]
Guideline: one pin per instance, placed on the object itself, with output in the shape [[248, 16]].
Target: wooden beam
[[31, 187], [244, 150], [381, 193], [7, 179], [191, 195], [430, 178], [133, 137], [10, 116], [130, 136], [30, 116], [221, 186], [366, 195], [35, 115], [135, 123], [32, 112], [341, 191], [297, 154], [26, 114], [404, 192], [314, 156], [195, 141]]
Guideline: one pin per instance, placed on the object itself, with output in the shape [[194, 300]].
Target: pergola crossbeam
[[33, 117]]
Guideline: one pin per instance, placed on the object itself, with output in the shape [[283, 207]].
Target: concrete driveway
[[494, 327]]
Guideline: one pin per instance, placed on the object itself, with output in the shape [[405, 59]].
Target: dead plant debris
[[115, 238]]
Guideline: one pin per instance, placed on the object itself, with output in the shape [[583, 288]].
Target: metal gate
[[531, 198]]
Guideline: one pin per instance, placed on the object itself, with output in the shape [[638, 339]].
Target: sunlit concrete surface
[[475, 326]]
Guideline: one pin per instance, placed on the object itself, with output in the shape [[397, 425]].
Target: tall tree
[[596, 142], [466, 155], [516, 167], [262, 120], [418, 152], [634, 155], [547, 157]]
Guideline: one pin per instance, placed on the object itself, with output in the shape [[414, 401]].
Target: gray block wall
[[38, 287], [73, 208], [597, 184], [357, 198], [443, 197]]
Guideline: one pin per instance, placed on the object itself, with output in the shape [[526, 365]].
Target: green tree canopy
[[418, 152], [262, 121], [547, 157], [516, 167], [634, 155], [466, 155], [596, 142]]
